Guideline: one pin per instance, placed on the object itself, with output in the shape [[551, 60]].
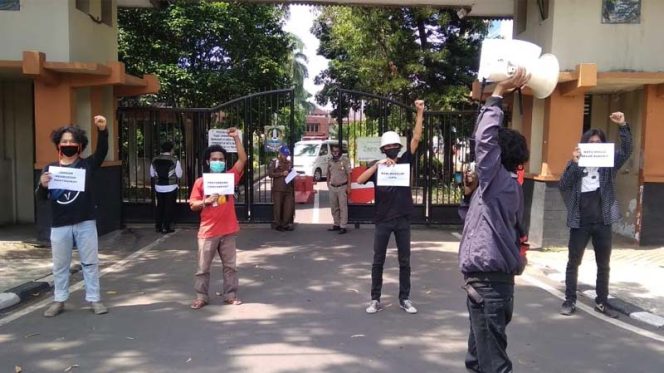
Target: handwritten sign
[[397, 175], [67, 178], [218, 136], [368, 148], [219, 183], [597, 155]]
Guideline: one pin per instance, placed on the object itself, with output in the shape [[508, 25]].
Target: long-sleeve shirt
[[571, 183], [276, 170], [71, 207], [490, 241]]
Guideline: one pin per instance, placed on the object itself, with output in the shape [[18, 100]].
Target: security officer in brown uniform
[[283, 194], [338, 184]]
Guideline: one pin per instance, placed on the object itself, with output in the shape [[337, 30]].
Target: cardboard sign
[[219, 183], [397, 175], [597, 155], [368, 148], [67, 178], [218, 136]]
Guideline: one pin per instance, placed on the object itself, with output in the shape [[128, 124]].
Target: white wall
[[90, 41], [39, 25], [575, 33]]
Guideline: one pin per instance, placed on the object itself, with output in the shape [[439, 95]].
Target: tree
[[206, 53], [402, 53]]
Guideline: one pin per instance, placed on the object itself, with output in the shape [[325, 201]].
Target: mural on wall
[[621, 11]]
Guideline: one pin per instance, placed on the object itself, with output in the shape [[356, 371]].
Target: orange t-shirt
[[217, 220]]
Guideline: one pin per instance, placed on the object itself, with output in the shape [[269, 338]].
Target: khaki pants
[[283, 209], [339, 205], [207, 249]]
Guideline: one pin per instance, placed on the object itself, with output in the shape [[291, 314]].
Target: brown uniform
[[283, 195], [338, 179]]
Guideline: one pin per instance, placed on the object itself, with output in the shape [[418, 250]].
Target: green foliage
[[402, 53], [206, 53]]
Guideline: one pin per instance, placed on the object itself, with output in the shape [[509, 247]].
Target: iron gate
[[442, 151], [143, 130]]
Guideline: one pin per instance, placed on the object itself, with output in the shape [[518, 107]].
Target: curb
[[628, 309], [26, 291]]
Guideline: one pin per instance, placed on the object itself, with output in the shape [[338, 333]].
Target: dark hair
[[208, 151], [166, 147], [77, 133], [513, 148], [593, 132]]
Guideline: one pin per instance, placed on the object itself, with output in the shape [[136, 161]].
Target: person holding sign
[[590, 197], [394, 205], [73, 211], [219, 226], [490, 252], [283, 190], [165, 171], [338, 184]]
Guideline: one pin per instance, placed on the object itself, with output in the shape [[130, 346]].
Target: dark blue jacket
[[490, 242]]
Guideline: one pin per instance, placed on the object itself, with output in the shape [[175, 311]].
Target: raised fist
[[618, 118], [100, 122]]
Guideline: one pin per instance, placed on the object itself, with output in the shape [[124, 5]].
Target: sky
[[302, 18]]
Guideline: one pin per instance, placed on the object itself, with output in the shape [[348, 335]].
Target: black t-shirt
[[591, 208], [70, 207], [393, 202]]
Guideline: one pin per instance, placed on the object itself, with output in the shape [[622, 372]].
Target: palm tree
[[299, 73]]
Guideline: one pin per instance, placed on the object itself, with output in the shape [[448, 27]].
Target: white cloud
[[299, 23]]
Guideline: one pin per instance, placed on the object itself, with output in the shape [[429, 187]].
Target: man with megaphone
[[489, 252]]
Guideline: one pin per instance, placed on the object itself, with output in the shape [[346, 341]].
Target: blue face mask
[[217, 166]]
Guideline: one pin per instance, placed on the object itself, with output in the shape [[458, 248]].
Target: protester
[[73, 215], [489, 252], [338, 184], [165, 171], [590, 197], [283, 193], [219, 226], [394, 206]]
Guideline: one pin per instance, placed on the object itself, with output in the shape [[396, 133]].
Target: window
[[323, 150], [621, 11], [312, 127], [10, 5]]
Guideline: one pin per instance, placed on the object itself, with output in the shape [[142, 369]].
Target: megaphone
[[500, 59]]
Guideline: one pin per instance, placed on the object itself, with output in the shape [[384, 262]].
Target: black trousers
[[401, 228], [578, 240], [487, 340], [165, 211]]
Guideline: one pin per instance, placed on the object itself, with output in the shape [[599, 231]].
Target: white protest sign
[[368, 148], [396, 175], [596, 154], [291, 175], [219, 183], [218, 136], [67, 178]]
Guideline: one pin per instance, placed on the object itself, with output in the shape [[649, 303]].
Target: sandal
[[233, 302], [197, 304]]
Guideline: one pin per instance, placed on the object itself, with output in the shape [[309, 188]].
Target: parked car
[[311, 156]]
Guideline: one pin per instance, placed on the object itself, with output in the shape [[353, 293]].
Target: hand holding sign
[[390, 174], [596, 154], [225, 138], [66, 178]]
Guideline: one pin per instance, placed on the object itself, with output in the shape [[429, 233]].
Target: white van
[[311, 157]]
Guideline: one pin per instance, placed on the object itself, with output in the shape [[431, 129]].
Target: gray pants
[[207, 250], [339, 205]]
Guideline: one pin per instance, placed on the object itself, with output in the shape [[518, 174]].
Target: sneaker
[[374, 307], [407, 306], [603, 308], [568, 308], [54, 309], [98, 308]]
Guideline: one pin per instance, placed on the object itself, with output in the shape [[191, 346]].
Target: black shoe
[[568, 308], [280, 228], [158, 229], [334, 228], [604, 308], [167, 230], [342, 231], [290, 228]]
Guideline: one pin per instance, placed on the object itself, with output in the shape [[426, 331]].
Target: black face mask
[[69, 150], [392, 153]]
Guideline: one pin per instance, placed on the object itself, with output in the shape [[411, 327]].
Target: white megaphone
[[500, 59]]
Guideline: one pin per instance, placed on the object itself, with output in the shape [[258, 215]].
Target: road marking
[[79, 285], [315, 219], [589, 310]]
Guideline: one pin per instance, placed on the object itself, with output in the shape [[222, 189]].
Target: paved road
[[305, 294]]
